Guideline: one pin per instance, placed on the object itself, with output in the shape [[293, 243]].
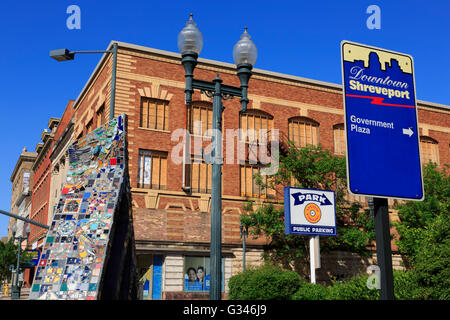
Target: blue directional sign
[[382, 134], [34, 256]]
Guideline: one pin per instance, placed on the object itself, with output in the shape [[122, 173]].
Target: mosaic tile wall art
[[74, 252]]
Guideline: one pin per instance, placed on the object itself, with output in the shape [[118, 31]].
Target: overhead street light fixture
[[66, 55], [62, 55]]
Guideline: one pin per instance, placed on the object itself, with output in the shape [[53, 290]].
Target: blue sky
[[299, 38]]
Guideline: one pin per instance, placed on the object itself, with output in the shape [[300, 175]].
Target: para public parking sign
[[309, 212], [382, 134]]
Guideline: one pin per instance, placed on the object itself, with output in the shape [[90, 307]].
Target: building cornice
[[62, 141], [212, 63], [42, 151], [24, 157]]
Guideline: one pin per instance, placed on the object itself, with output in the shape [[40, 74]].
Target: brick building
[[22, 179], [30, 193], [50, 167], [40, 209], [171, 199], [172, 226], [62, 138], [22, 184]]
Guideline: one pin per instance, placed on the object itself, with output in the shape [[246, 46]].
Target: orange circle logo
[[312, 213]]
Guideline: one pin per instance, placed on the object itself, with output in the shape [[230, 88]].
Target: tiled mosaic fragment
[[74, 250]]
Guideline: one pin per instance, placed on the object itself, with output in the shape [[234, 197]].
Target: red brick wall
[[65, 119], [97, 94], [189, 224], [40, 196]]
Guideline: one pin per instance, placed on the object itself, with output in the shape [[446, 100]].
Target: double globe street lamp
[[190, 43]]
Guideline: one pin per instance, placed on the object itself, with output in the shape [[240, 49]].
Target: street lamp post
[[190, 43], [15, 290], [66, 54], [244, 233]]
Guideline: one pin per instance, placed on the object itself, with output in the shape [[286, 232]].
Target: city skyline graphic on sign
[[374, 67]]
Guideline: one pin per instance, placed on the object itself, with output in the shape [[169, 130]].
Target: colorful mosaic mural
[[74, 254]]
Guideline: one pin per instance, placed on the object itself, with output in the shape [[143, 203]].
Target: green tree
[[424, 234], [8, 256], [315, 168]]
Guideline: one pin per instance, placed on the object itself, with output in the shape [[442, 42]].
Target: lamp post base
[[15, 292]]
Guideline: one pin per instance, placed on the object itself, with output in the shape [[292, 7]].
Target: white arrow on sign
[[408, 131]]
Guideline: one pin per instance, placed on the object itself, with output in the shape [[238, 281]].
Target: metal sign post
[[384, 255], [314, 256]]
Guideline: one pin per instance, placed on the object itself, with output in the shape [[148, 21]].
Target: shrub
[[406, 286], [353, 289], [310, 291], [265, 283], [269, 282]]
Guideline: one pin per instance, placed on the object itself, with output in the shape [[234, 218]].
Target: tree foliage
[[424, 234], [8, 256], [315, 168]]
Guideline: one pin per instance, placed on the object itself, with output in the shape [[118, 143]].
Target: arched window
[[303, 131], [255, 124], [429, 150], [339, 139]]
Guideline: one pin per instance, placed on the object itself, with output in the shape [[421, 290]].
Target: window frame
[[145, 117], [100, 116], [244, 183], [434, 148], [307, 122], [255, 113], [266, 122], [152, 154], [339, 127]]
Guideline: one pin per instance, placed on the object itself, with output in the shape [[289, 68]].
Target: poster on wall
[[197, 274], [147, 170]]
